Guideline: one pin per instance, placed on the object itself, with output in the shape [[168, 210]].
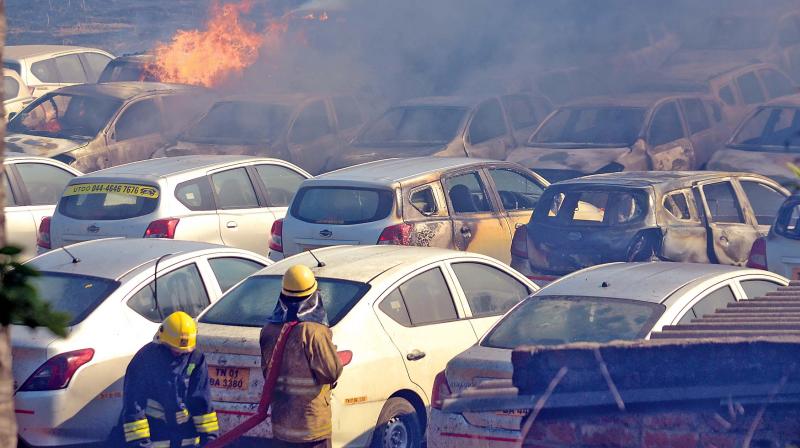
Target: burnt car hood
[[355, 154], [42, 146], [183, 148], [585, 160], [766, 163]]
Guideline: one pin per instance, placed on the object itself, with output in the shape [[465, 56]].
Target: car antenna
[[155, 286], [319, 263], [74, 258]]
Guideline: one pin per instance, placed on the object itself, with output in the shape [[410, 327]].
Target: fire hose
[[273, 371]]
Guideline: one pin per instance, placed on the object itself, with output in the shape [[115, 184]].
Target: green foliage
[[19, 300]]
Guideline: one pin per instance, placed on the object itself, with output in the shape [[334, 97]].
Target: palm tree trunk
[[8, 422]]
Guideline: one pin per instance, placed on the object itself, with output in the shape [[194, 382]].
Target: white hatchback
[[779, 251], [398, 314], [117, 292], [48, 67]]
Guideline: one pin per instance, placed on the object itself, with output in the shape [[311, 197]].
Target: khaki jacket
[[301, 404]]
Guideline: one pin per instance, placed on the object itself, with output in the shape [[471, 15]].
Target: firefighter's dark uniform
[[301, 410], [167, 401]]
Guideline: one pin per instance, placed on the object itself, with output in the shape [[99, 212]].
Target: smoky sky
[[394, 49]]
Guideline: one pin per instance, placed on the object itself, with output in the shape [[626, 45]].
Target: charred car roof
[[125, 89], [663, 180], [388, 171]]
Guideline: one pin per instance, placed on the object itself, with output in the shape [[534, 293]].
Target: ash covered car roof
[[102, 258], [362, 263], [388, 171], [651, 282], [27, 51], [125, 89], [165, 166], [662, 179]]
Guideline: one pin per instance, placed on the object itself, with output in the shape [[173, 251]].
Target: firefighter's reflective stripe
[[207, 423], [295, 434], [194, 441], [160, 444], [139, 429], [182, 416], [155, 410], [298, 386], [191, 442]]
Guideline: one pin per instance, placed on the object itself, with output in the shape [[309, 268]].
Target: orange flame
[[212, 56]]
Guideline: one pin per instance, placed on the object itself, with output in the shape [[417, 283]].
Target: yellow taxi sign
[[145, 191]]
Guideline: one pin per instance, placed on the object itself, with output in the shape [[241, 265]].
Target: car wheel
[[398, 426], [643, 248]]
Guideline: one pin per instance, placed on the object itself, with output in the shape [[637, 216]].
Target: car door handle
[[231, 224], [466, 231], [415, 355]]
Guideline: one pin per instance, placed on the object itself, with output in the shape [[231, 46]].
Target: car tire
[[398, 426], [643, 248]]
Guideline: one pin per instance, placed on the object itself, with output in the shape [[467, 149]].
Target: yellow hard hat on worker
[[299, 282], [179, 332]]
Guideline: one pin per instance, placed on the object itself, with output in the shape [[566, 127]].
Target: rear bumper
[[450, 430], [232, 414], [49, 419]]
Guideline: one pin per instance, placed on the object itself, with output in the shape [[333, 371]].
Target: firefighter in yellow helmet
[[166, 395], [301, 411]]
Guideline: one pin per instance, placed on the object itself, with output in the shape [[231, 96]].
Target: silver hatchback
[[230, 200]]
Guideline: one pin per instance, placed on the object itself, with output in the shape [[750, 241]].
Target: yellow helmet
[[299, 281], [179, 332]]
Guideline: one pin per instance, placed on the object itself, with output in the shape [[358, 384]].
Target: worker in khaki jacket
[[301, 410]]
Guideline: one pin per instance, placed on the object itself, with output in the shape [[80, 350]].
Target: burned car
[[130, 67], [485, 127], [94, 126], [701, 217], [766, 142], [656, 131], [303, 129]]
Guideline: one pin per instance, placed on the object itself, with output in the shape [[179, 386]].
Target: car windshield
[[76, 295], [253, 301], [552, 320], [240, 121], [65, 116], [772, 128], [591, 126], [414, 125]]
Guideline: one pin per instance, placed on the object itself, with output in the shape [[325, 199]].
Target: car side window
[[44, 183], [666, 125], [750, 88], [678, 206], [195, 194], [70, 69], [231, 270], [394, 307], [179, 290], [726, 95], [764, 200], [695, 114], [281, 183], [777, 83], [721, 201], [758, 288], [311, 124], [488, 123], [426, 298], [10, 87], [347, 112], [521, 111], [139, 119], [9, 193], [467, 194], [45, 71], [424, 200], [234, 190], [489, 291], [517, 192], [94, 65], [713, 301]]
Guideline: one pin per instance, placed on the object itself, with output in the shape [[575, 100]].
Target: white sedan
[[69, 391], [398, 314]]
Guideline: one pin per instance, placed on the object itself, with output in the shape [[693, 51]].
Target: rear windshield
[[414, 125], [592, 207], [342, 205], [76, 295], [65, 116], [552, 320], [771, 128], [591, 126], [121, 70], [108, 201], [240, 121], [253, 301]]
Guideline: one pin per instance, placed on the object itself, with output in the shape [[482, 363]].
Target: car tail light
[[276, 236], [519, 244], [398, 234], [57, 372], [345, 357], [758, 254], [162, 228], [43, 236], [441, 390]]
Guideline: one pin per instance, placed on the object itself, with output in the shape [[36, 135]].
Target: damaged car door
[[668, 146], [488, 135], [518, 194], [684, 236], [478, 225], [311, 137], [730, 236], [136, 132]]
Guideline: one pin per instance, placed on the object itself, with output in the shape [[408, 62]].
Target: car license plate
[[229, 378]]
